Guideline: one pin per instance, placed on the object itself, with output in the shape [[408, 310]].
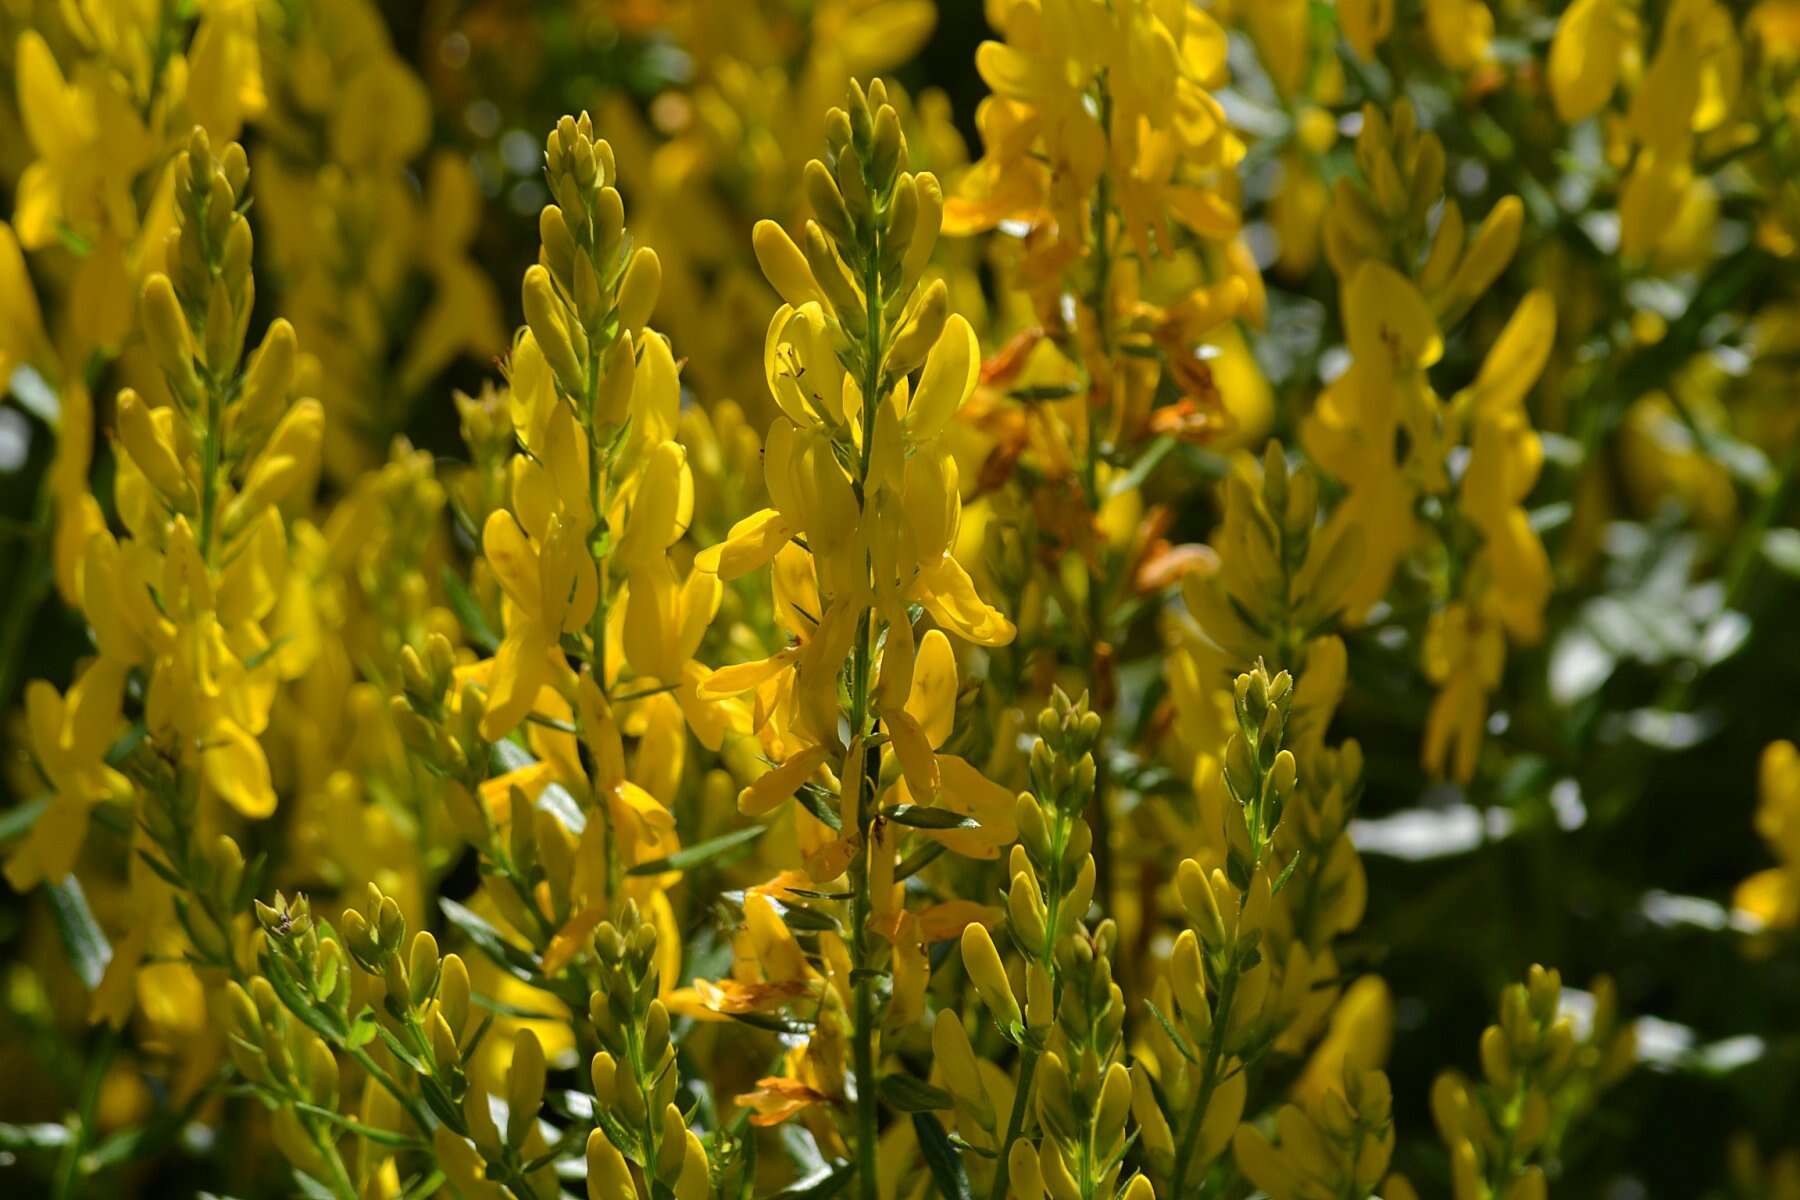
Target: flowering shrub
[[1059, 631]]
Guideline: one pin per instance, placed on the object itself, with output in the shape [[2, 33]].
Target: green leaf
[[516, 1011], [17, 821], [427, 1185], [1181, 1043], [311, 1188], [363, 1027], [89, 951], [1287, 873], [474, 621], [918, 860], [487, 939], [904, 1093], [1038, 392], [772, 1023], [940, 1155], [926, 816], [381, 1137], [814, 800], [46, 1136], [125, 743], [819, 1185], [325, 1022], [508, 755], [250, 664], [690, 857], [1140, 470], [802, 919]]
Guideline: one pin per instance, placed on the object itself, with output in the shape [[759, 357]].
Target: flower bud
[[544, 315], [608, 1178], [982, 961], [638, 291]]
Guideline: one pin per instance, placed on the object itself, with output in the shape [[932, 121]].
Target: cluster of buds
[[590, 291], [1083, 1089], [872, 221], [1072, 1025], [1280, 578], [1231, 989], [1338, 1144], [288, 1064], [236, 430], [209, 875], [1260, 772], [1538, 1073], [485, 422], [634, 1074], [1380, 212], [485, 1159], [439, 719]]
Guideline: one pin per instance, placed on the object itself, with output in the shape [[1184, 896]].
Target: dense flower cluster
[[915, 759]]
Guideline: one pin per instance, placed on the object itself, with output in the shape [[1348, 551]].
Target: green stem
[[1015, 1124], [407, 1101], [1055, 890], [209, 469], [327, 1146], [1100, 813], [33, 578], [69, 1166], [1209, 1082], [868, 1120]]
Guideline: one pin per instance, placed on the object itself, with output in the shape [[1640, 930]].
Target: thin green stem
[[69, 1166], [1015, 1124], [33, 578], [327, 1147], [414, 1108], [868, 1121], [1209, 1082], [1055, 890]]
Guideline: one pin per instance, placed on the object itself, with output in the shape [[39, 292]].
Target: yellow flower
[[70, 735]]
